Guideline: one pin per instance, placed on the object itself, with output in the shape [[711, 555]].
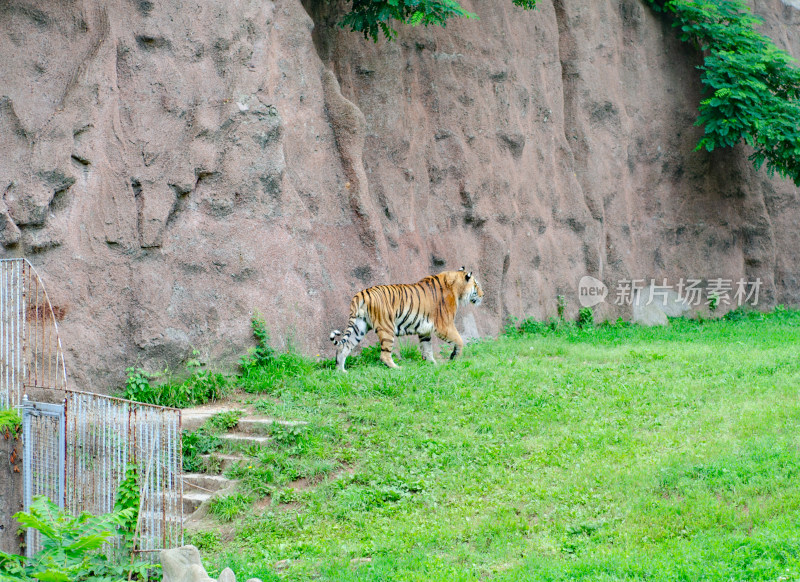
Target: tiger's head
[[467, 288]]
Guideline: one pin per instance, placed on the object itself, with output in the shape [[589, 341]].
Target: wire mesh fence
[[104, 435], [43, 459]]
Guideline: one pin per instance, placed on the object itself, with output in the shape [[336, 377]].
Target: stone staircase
[[250, 434]]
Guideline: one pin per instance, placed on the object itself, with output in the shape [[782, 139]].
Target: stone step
[[192, 500], [244, 440], [194, 418], [203, 482], [263, 424], [226, 461]]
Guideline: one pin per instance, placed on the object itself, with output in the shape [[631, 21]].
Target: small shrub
[[137, 386], [511, 327], [205, 540], [262, 354], [200, 386]]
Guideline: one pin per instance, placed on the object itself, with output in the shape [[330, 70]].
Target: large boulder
[[183, 565], [652, 306]]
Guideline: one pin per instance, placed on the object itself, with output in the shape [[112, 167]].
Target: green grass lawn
[[611, 453]]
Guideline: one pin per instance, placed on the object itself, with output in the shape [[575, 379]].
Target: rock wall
[[172, 167]]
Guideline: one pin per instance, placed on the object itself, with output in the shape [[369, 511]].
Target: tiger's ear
[[468, 276], [463, 269]]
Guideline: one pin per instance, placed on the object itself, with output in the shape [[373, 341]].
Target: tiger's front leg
[[451, 336], [386, 339]]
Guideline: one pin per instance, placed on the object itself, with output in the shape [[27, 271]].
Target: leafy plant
[[71, 546], [288, 435], [262, 354], [137, 385], [127, 500], [199, 442], [10, 423], [561, 306], [199, 387], [225, 420], [585, 317], [373, 17], [205, 540], [752, 88], [713, 302]]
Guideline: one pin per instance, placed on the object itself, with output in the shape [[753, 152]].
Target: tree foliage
[[373, 17], [752, 88]]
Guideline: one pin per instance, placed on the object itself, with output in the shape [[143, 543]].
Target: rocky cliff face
[[172, 167]]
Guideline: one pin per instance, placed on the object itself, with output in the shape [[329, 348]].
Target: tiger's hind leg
[[426, 348], [356, 331], [386, 339]]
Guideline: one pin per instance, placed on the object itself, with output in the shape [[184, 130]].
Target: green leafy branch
[[373, 17], [752, 88]]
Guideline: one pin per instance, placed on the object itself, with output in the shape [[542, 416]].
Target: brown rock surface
[[171, 167]]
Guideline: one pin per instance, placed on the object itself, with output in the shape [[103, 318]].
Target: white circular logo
[[591, 291]]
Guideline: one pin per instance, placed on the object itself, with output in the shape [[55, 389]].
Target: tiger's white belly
[[424, 328]]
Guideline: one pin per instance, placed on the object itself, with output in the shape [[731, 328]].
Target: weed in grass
[[10, 423], [585, 317], [288, 435], [713, 302], [205, 540], [224, 421], [198, 443], [199, 387], [561, 306], [229, 507]]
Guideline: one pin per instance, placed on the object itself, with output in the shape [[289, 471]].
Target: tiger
[[420, 308]]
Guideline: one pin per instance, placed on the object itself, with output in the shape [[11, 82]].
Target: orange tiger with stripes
[[421, 308]]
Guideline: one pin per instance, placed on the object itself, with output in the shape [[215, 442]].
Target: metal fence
[[103, 436], [43, 459], [30, 349]]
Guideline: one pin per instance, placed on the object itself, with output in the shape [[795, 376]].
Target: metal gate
[[43, 458], [30, 349]]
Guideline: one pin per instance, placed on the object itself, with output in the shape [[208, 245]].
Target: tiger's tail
[[354, 333], [334, 335]]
